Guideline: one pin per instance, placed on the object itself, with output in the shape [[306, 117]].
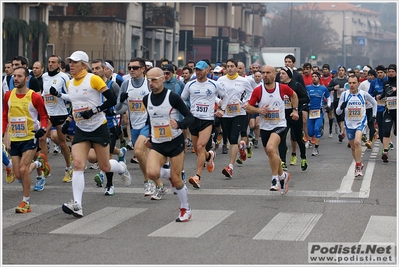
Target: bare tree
[[309, 30]]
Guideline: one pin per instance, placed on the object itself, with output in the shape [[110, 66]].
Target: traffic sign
[[361, 41]]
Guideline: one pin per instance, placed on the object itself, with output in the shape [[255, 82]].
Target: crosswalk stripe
[[201, 222], [98, 222], [289, 226], [380, 229], [11, 218]]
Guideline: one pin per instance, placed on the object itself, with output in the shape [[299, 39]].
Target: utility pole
[[174, 32]]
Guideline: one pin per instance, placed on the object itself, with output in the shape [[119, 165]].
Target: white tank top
[[276, 114], [84, 97], [55, 106], [160, 116], [137, 112]]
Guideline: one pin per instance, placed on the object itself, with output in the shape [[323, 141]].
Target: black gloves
[[343, 105], [65, 126], [123, 97], [328, 109], [39, 133], [54, 92], [87, 114]]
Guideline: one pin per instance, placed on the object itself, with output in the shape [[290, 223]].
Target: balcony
[[90, 11], [159, 17]]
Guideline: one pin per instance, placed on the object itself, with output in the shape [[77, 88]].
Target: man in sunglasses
[[132, 94]]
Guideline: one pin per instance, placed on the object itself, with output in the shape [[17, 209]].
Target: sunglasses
[[154, 79], [134, 67], [166, 73]]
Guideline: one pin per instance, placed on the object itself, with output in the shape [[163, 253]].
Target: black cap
[[168, 67]]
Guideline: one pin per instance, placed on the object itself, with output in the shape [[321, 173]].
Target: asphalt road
[[235, 221]]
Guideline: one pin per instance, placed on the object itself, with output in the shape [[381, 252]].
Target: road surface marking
[[201, 222], [380, 229], [286, 226], [98, 222], [11, 218]]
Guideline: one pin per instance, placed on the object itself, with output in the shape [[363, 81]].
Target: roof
[[336, 6]]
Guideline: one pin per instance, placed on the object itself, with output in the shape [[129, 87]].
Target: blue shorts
[[351, 133], [17, 148], [145, 131]]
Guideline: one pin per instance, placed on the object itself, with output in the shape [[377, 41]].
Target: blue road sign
[[361, 41]]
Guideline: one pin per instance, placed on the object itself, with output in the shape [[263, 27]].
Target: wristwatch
[[295, 109]]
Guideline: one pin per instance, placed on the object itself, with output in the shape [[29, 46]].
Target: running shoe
[[304, 164], [358, 170], [384, 157], [129, 145], [369, 144], [73, 208], [10, 175], [94, 166], [45, 168], [225, 150], [184, 215], [134, 160], [249, 150], [123, 142], [57, 149], [195, 181], [330, 135], [99, 179], [149, 188], [293, 160], [251, 134], [308, 144], [256, 144], [364, 138], [122, 158], [24, 207], [210, 165], [109, 191], [239, 160], [68, 176], [340, 137], [125, 176], [284, 166], [159, 192], [275, 185], [315, 152], [228, 172], [40, 182], [183, 176], [284, 184], [390, 146], [243, 153]]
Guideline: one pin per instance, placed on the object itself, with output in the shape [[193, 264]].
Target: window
[[199, 22]]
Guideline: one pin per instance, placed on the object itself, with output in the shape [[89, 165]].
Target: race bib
[[314, 114], [19, 126], [77, 112], [162, 130], [381, 102], [201, 108], [50, 100], [287, 102], [355, 113], [233, 109], [391, 102], [136, 105], [272, 115]]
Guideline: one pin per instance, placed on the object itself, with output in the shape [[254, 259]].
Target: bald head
[[155, 78], [155, 72], [269, 75]]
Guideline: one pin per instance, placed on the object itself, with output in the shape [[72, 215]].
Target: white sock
[[38, 164], [231, 166], [26, 199], [116, 166], [182, 193], [78, 186], [164, 173], [274, 177]]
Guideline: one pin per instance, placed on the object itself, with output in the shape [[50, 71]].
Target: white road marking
[[289, 226], [98, 222], [11, 218], [380, 229], [201, 222]]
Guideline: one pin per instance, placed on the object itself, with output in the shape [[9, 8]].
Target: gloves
[[343, 105], [54, 92], [87, 114], [65, 126], [39, 133], [328, 109], [123, 97]]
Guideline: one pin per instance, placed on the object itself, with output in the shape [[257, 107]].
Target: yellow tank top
[[22, 117]]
